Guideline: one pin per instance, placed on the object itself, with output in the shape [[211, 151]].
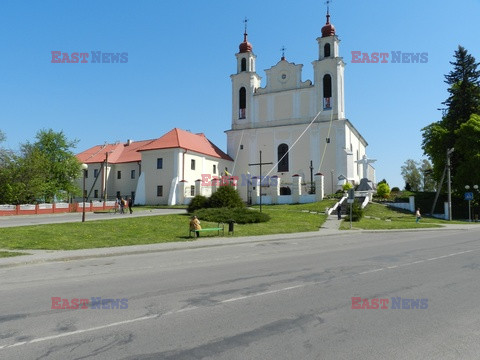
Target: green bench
[[220, 227]]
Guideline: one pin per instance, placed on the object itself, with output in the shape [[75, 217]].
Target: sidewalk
[[40, 219], [329, 228]]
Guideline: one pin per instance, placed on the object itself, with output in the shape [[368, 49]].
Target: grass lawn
[[380, 217], [10, 254], [153, 229]]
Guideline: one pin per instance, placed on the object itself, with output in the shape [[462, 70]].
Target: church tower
[[329, 74], [244, 84]]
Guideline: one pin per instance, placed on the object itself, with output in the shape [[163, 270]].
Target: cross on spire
[[328, 5], [245, 22], [283, 52]]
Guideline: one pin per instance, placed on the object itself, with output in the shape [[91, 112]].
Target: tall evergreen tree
[[462, 103]]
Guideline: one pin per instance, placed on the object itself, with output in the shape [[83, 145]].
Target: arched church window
[[326, 50], [282, 158], [327, 92], [244, 65], [242, 103]]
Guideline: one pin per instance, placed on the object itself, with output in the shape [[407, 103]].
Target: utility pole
[[449, 183], [260, 164], [105, 177]]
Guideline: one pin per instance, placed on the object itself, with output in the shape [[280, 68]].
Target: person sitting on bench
[[195, 225]]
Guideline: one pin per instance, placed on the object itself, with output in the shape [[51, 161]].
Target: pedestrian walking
[[339, 212], [418, 216], [130, 204], [122, 205]]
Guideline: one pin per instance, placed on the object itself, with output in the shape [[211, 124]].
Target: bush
[[347, 186], [357, 212], [225, 197], [395, 190], [383, 190], [198, 202], [239, 215]]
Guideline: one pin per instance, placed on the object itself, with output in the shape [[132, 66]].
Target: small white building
[[299, 126], [166, 170]]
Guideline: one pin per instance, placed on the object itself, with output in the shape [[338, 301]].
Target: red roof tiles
[[176, 138]]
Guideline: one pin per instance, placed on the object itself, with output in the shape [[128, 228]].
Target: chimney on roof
[[129, 142]]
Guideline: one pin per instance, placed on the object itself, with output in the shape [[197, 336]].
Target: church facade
[[299, 126]]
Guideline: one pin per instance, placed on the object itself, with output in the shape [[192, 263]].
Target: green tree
[[411, 174], [51, 165], [462, 103], [468, 144], [428, 182]]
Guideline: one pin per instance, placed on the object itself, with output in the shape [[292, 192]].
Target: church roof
[[328, 29], [131, 150], [245, 46]]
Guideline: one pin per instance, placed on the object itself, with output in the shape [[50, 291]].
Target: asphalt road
[[284, 299]]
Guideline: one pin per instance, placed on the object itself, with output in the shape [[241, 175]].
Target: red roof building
[[151, 170]]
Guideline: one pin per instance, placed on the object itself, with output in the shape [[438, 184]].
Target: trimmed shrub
[[357, 212], [198, 202], [225, 197], [395, 190], [239, 215], [383, 190]]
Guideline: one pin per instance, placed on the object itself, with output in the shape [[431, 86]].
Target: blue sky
[[181, 55]]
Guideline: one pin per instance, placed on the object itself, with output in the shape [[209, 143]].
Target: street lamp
[[475, 187], [84, 170]]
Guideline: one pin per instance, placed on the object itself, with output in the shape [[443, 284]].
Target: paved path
[[25, 220]]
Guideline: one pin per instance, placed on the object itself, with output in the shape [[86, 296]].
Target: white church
[[308, 146], [299, 126]]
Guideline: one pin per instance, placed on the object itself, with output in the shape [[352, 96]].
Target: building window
[[132, 174], [282, 158], [95, 173], [214, 169], [133, 196], [326, 50], [192, 164], [160, 190], [95, 194], [241, 147], [160, 163], [327, 92], [192, 190], [244, 65], [118, 195], [242, 100], [119, 174], [86, 174], [85, 194]]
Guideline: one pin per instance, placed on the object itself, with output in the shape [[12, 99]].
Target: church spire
[[328, 29], [245, 46]]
